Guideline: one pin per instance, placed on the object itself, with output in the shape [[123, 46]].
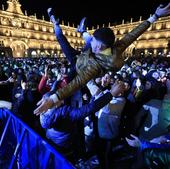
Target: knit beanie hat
[[105, 35]]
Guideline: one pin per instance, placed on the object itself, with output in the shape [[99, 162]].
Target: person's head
[[63, 69], [102, 38], [136, 74], [148, 85], [32, 81], [124, 74], [20, 71], [127, 85], [14, 74], [106, 79]]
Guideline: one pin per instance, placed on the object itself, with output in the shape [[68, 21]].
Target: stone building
[[22, 35]]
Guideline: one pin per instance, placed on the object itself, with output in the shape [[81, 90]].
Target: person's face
[[124, 75], [148, 85], [34, 69], [14, 75], [19, 71], [63, 70], [95, 45], [127, 86], [106, 79]]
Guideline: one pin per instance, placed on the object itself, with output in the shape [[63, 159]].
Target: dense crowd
[[92, 102], [24, 81]]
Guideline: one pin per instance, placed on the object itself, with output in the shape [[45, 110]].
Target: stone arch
[[19, 48], [129, 51]]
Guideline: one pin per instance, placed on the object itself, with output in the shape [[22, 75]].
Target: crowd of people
[[89, 101]]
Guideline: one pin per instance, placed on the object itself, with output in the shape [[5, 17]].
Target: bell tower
[[14, 7]]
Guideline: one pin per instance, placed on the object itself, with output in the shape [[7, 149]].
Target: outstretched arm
[[96, 105], [136, 142], [85, 35], [67, 49], [139, 30], [92, 71]]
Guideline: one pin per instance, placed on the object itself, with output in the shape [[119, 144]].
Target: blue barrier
[[28, 150]]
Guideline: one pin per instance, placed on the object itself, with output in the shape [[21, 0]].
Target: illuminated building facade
[[23, 36], [155, 41]]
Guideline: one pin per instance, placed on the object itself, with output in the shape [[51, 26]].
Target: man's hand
[[44, 104], [82, 27], [135, 142], [163, 11], [52, 16], [55, 22]]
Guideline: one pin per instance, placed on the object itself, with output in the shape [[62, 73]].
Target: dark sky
[[97, 11]]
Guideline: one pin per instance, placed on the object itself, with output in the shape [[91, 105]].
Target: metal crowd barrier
[[26, 149]]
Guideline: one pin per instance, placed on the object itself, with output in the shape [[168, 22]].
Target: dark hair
[[105, 35]]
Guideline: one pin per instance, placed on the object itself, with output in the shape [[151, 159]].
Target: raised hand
[[133, 142], [52, 16], [163, 11], [43, 105], [82, 27]]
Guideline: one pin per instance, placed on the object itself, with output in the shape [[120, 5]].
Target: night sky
[[101, 11]]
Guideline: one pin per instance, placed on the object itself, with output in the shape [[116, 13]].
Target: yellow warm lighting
[[115, 31], [45, 37], [37, 36], [27, 25], [147, 36], [78, 35], [167, 34], [155, 51], [18, 54], [122, 31], [74, 34], [44, 28], [4, 22], [165, 50], [155, 45], [51, 30], [36, 27], [157, 35], [28, 35], [146, 51], [168, 25], [158, 26], [52, 38]]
